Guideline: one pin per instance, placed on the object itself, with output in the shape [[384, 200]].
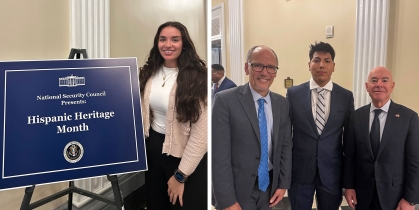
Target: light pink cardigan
[[188, 141]]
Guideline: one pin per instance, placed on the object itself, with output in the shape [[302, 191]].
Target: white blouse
[[159, 97]]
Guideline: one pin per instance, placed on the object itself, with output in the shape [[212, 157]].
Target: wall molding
[[371, 39], [217, 29], [235, 14], [90, 23]]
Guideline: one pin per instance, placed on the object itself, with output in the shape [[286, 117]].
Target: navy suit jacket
[[311, 150], [396, 168], [236, 145], [226, 84]]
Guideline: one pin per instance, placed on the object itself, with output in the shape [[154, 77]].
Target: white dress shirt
[[327, 95]]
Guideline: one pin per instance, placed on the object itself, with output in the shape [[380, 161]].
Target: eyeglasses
[[259, 67]]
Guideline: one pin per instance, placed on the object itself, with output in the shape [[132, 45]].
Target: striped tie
[[320, 110]]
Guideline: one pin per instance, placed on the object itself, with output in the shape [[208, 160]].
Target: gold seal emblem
[[73, 152]]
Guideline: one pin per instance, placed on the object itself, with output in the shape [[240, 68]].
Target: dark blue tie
[[375, 132], [263, 170]]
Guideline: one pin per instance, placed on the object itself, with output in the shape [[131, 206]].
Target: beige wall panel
[[32, 30], [134, 24], [403, 51], [288, 27]]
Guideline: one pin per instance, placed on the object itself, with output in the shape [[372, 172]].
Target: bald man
[[381, 160]]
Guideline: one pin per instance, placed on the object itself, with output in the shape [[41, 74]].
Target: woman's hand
[[175, 190]]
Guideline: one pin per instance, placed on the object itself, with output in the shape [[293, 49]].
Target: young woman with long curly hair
[[173, 86]]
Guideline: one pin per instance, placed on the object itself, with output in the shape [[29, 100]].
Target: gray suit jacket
[[396, 168], [236, 145]]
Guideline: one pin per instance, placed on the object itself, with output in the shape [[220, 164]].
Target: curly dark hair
[[192, 77], [321, 47]]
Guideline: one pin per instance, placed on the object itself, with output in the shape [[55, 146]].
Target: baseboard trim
[[127, 184]]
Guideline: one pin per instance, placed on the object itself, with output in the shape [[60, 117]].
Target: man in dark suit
[[219, 80], [381, 147], [251, 139], [319, 112]]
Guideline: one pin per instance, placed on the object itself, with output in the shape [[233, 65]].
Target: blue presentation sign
[[69, 119]]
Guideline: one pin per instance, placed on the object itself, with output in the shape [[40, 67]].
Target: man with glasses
[[251, 139], [319, 112]]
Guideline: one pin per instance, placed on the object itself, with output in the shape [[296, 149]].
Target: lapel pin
[[397, 115]]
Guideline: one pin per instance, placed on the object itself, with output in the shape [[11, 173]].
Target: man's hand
[[350, 197], [404, 205], [279, 194], [175, 190], [235, 206]]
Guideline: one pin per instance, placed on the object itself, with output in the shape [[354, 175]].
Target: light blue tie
[[263, 173]]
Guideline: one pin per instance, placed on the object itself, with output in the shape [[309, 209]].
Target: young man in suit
[[319, 112], [381, 162], [251, 139], [219, 80]]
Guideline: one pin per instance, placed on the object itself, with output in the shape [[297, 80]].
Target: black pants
[[375, 201], [327, 197], [161, 167]]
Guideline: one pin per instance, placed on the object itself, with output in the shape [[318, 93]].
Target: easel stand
[[76, 53], [118, 201]]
